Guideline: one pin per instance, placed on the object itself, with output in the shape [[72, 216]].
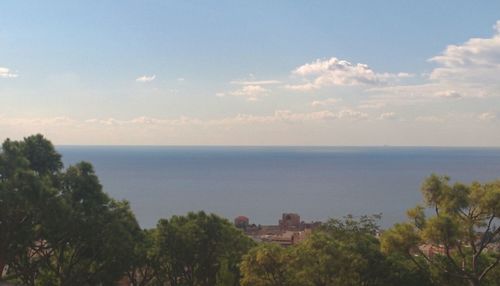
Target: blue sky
[[251, 72]]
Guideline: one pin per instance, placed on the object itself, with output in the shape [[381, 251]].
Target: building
[[289, 230], [241, 222], [289, 221]]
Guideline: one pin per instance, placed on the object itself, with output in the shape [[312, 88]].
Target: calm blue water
[[263, 182]]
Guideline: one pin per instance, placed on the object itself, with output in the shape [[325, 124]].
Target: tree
[[357, 241], [144, 264], [41, 155], [323, 261], [58, 227], [27, 170], [356, 237], [90, 239], [194, 249], [462, 226], [342, 252], [267, 265]]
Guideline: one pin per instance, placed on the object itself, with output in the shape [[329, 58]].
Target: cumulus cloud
[[146, 78], [467, 70], [38, 121], [352, 114], [249, 92], [448, 94], [334, 71], [388, 116], [110, 123], [407, 95], [477, 61], [255, 82], [287, 115], [487, 116], [296, 117], [106, 121], [372, 104], [430, 119], [302, 87], [325, 102], [6, 73]]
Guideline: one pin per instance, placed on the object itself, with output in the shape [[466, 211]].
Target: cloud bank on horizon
[[451, 98]]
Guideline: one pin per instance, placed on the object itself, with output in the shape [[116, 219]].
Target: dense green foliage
[[342, 252], [58, 227], [463, 227]]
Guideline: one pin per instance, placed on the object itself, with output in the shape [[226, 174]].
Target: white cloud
[[408, 95], [475, 61], [6, 73], [297, 117], [448, 94], [468, 70], [430, 119], [278, 116], [287, 115], [146, 78], [333, 71], [325, 102], [38, 121], [487, 116], [249, 92], [352, 114], [388, 116], [372, 104], [302, 87], [255, 82]]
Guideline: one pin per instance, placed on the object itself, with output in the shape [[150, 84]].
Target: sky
[[158, 72]]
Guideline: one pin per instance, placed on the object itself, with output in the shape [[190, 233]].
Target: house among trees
[[289, 230]]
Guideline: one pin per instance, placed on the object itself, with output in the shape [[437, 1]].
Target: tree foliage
[[58, 227], [342, 252], [462, 228], [197, 248], [267, 265]]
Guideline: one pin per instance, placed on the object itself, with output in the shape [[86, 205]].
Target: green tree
[[144, 264], [462, 225], [323, 261], [90, 238], [27, 172], [58, 227], [267, 265], [347, 252], [194, 249], [342, 252]]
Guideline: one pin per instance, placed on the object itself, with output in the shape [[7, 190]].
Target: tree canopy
[[58, 227], [460, 222]]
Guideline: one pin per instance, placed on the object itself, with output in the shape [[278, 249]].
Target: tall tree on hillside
[[58, 227], [347, 252], [90, 241], [463, 225], [268, 264], [323, 261], [144, 264], [194, 249], [27, 172]]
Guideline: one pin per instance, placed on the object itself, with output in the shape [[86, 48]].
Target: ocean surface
[[263, 182]]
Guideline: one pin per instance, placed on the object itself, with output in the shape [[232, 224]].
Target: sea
[[263, 182]]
